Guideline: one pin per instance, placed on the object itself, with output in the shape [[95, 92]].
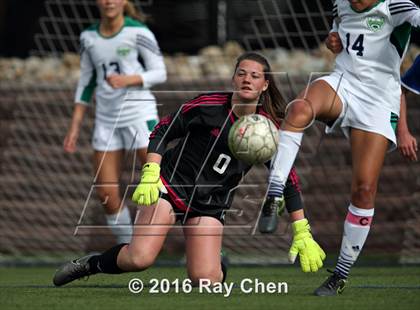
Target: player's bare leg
[[150, 230], [318, 101], [203, 243], [368, 154], [107, 175], [142, 156], [152, 226]]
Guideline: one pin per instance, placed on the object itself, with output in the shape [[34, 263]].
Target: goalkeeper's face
[[111, 9], [249, 80]]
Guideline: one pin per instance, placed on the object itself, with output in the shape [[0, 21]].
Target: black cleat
[[273, 207], [332, 286], [73, 270]]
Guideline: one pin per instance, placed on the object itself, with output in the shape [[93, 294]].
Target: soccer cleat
[[273, 208], [73, 270], [332, 286]]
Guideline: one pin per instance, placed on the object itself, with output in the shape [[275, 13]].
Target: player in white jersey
[[362, 97], [125, 108]]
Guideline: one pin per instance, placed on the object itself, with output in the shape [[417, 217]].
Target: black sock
[[107, 261], [224, 270]]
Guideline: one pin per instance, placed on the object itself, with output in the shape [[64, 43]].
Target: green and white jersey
[[120, 54], [374, 43]]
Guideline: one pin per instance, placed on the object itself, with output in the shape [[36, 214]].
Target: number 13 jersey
[[119, 54]]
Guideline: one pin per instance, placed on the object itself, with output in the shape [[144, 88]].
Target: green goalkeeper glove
[[310, 253], [147, 192]]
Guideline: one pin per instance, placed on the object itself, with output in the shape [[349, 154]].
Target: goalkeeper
[[193, 182]]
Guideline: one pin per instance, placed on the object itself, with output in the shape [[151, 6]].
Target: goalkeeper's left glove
[[310, 253], [147, 192]]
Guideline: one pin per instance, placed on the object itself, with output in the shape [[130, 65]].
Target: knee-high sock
[[121, 225], [289, 143], [356, 230]]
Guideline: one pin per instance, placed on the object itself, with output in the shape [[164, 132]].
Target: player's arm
[[311, 255], [149, 50], [155, 70], [407, 144], [404, 11], [333, 41], [83, 96], [169, 128], [70, 140]]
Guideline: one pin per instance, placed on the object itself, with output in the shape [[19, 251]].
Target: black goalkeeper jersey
[[200, 172]]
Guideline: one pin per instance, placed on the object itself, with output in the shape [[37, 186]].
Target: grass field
[[369, 288]]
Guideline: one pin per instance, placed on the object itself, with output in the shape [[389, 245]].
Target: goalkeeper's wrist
[[301, 226], [150, 169], [151, 166]]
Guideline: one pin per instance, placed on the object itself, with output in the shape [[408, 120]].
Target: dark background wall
[[180, 26], [18, 25]]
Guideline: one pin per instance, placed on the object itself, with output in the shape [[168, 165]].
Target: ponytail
[[131, 11]]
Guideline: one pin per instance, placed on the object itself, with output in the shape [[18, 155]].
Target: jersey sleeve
[[334, 27], [148, 48], [87, 80], [172, 127], [410, 79], [403, 11]]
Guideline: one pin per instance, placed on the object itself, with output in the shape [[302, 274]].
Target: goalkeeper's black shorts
[[183, 215]]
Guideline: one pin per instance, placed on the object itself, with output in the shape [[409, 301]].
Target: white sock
[[289, 143], [121, 225], [356, 230]]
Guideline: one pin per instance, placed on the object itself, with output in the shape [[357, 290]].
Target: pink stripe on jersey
[[215, 99], [189, 106], [179, 203], [358, 220], [164, 121], [232, 118], [215, 96], [295, 179]]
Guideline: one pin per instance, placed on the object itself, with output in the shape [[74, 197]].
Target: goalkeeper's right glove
[[310, 253], [147, 192]]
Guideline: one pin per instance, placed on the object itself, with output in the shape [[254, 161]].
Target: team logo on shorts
[[375, 23], [123, 51]]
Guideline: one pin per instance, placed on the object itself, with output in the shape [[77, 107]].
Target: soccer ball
[[253, 139]]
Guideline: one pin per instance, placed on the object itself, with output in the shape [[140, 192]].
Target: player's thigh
[[323, 99], [368, 153], [151, 226], [142, 155], [107, 166], [203, 243], [107, 173]]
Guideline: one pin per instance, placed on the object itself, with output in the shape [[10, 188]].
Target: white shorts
[[360, 114], [109, 138]]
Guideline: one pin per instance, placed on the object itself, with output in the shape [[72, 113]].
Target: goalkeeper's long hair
[[271, 99]]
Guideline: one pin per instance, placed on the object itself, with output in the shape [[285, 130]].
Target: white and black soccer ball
[[253, 139]]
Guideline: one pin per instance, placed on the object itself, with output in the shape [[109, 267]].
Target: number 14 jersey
[[374, 43]]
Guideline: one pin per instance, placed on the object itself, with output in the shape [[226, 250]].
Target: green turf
[[369, 288]]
